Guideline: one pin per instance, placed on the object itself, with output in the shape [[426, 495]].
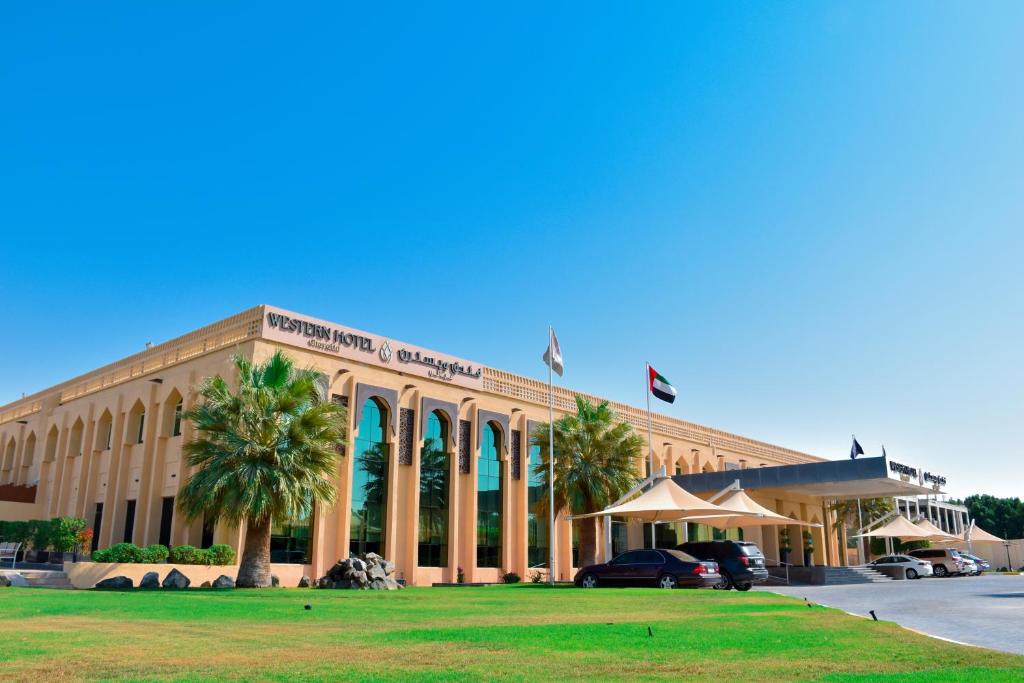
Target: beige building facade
[[435, 473]]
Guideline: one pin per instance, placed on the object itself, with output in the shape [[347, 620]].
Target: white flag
[[553, 356]]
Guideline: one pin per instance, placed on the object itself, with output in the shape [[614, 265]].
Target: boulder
[[378, 585], [377, 572], [358, 565], [274, 581], [150, 580], [17, 580], [391, 584], [389, 567], [359, 578], [4, 581], [325, 582], [304, 582], [372, 557], [205, 584], [176, 579], [223, 581], [116, 583]]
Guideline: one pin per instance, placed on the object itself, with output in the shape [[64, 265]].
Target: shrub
[[64, 532], [125, 553], [221, 554], [536, 577], [511, 577], [16, 532], [42, 533], [155, 554], [189, 554]]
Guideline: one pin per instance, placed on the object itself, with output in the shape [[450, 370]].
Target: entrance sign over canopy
[[745, 512], [666, 501], [900, 527]]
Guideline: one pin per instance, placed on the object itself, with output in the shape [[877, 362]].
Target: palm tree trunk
[[254, 568], [588, 541]]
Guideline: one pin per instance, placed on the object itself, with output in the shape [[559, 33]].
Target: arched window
[[9, 455], [434, 475], [136, 429], [536, 524], [369, 481], [489, 492], [170, 422], [50, 452], [75, 445], [28, 459], [104, 431]]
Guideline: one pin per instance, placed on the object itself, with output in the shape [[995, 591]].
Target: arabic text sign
[[319, 335]]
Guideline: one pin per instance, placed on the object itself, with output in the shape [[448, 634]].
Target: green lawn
[[519, 632]]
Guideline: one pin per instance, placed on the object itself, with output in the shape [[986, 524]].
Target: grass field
[[522, 632]]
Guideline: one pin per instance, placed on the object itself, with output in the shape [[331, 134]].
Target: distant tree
[[595, 464], [264, 453], [1003, 517]]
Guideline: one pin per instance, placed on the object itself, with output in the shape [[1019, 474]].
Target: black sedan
[[661, 567]]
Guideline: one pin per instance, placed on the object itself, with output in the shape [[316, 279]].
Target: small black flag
[[883, 452], [855, 449]]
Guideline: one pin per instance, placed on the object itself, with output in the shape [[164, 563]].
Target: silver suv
[[945, 561]]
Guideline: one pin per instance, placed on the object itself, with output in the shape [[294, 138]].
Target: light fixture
[[156, 380]]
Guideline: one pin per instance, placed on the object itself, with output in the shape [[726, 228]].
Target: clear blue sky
[[809, 218]]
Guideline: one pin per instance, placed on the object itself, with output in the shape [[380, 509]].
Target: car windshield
[[954, 553], [680, 555]]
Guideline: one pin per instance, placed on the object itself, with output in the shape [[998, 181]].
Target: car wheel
[[667, 581], [726, 582], [588, 581], [911, 574], [940, 570], [745, 586]]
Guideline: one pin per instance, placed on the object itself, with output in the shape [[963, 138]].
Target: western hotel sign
[[319, 335]]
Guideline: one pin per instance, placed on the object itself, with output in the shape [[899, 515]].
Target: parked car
[[945, 561], [970, 567], [983, 564], [661, 567], [913, 568], [741, 563]]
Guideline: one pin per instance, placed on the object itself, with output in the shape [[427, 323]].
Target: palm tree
[[265, 453], [595, 464]]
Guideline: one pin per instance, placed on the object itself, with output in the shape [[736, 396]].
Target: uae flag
[[660, 386]]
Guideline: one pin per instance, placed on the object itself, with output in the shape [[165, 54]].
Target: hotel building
[[436, 473]]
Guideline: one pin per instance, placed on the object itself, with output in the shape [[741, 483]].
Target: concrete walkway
[[979, 610]]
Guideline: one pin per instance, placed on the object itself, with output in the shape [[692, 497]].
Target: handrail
[[779, 563]]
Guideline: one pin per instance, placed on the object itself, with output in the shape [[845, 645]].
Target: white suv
[[945, 561]]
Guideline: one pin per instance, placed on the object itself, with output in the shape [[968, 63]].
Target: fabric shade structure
[[979, 535], [901, 528], [745, 512], [936, 534], [666, 501]]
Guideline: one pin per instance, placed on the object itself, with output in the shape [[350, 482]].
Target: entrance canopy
[[746, 512], [666, 501], [900, 527], [937, 534]]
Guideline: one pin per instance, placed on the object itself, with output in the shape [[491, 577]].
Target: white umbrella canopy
[[901, 528], [745, 512], [666, 501], [936, 534]]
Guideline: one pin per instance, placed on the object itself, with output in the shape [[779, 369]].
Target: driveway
[[979, 610]]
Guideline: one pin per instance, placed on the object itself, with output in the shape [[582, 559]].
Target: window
[[176, 425], [665, 535], [208, 528], [620, 539], [651, 557], [434, 473], [97, 522], [488, 500], [166, 518], [110, 434], [129, 521], [536, 524], [142, 426], [679, 470], [289, 542], [369, 481], [632, 557]]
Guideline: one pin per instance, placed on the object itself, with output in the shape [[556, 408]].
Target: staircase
[[838, 576], [42, 578]]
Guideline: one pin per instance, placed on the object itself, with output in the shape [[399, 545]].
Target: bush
[[155, 554], [42, 533], [16, 532], [121, 553], [189, 554], [64, 532], [536, 577], [511, 577], [221, 554]]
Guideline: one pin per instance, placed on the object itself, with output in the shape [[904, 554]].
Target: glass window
[[536, 524], [632, 557], [434, 474], [142, 425], [176, 427], [289, 542], [489, 491], [651, 557], [369, 481], [620, 539]]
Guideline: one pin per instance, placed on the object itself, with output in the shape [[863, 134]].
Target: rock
[[205, 584], [176, 579], [358, 565], [372, 557], [224, 581], [325, 582], [4, 581], [377, 572], [17, 580], [304, 582], [389, 567], [378, 585], [274, 581], [116, 583], [391, 584], [360, 578], [150, 580]]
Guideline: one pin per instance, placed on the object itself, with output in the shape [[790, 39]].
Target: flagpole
[[650, 441], [551, 460]]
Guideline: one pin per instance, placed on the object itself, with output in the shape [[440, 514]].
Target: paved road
[[980, 610]]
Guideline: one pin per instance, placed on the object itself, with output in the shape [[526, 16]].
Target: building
[[435, 474]]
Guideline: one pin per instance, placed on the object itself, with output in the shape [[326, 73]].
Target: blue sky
[[807, 217]]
